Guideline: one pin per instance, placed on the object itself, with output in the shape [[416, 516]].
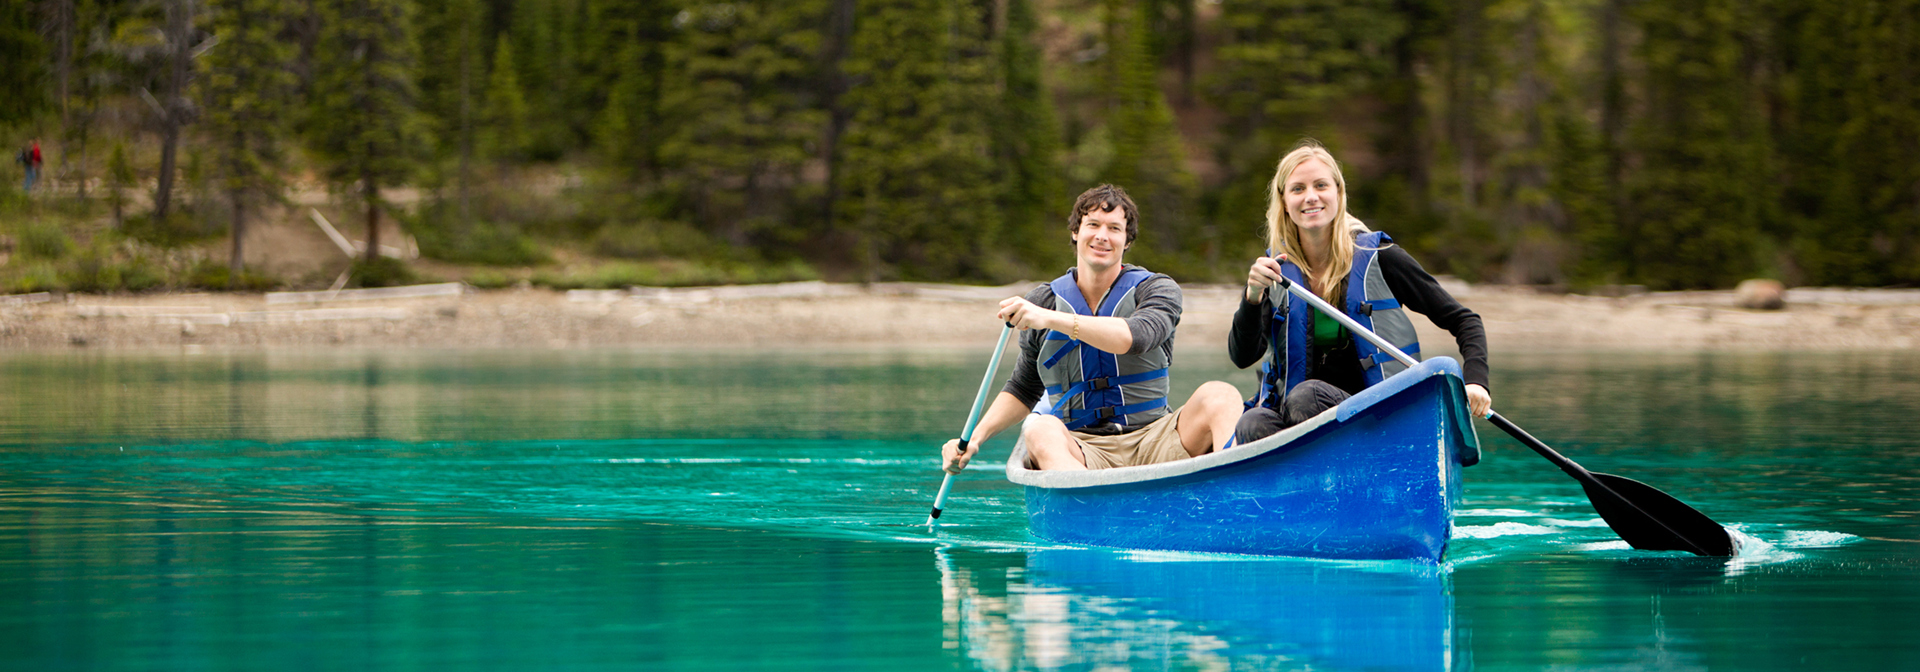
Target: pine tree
[[916, 169], [626, 41], [544, 70], [94, 69], [503, 128], [181, 34], [365, 125], [1027, 143], [120, 178], [1400, 192], [739, 93], [452, 80], [1290, 69], [1533, 227], [617, 132], [24, 79], [1149, 160], [1849, 146], [1580, 185], [248, 91], [1697, 210]]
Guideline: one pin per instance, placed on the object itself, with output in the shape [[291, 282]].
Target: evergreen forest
[[605, 143]]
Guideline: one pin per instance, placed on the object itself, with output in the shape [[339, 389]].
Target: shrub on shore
[[213, 275], [672, 273], [384, 272], [45, 240]]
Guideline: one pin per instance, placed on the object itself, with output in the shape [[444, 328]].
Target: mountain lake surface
[[763, 510]]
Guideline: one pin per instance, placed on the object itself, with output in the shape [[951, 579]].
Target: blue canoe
[[1376, 477]]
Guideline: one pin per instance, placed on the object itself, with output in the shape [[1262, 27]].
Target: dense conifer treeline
[[1572, 142]]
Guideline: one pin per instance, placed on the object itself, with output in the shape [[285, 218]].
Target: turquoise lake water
[[708, 510]]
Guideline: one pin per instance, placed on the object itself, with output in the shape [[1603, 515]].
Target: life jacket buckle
[[1097, 384]]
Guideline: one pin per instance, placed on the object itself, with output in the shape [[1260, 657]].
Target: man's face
[[1101, 238]]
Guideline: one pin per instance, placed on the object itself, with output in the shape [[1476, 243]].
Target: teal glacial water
[[723, 510]]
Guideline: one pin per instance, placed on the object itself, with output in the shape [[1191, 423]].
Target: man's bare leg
[[1207, 419], [1051, 445]]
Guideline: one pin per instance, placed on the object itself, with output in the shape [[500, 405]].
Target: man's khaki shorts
[[1157, 442]]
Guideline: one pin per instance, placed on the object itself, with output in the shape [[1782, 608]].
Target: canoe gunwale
[[1018, 473]]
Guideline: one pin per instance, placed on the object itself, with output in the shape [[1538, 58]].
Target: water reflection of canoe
[[1295, 613], [1376, 477]]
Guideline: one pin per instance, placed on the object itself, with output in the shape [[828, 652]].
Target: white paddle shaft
[[973, 418]]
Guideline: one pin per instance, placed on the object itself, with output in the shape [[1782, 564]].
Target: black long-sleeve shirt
[[1340, 366]]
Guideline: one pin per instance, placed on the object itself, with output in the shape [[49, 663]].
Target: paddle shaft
[[1572, 468], [973, 418], [1591, 483]]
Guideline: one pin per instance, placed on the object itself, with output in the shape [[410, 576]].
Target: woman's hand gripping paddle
[[973, 417], [1650, 520]]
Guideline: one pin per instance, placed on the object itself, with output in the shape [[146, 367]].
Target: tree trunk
[[1406, 148], [1532, 260], [60, 27], [1613, 111], [163, 194], [370, 188], [466, 121], [1462, 105], [373, 219], [839, 38], [80, 151], [1189, 44], [179, 31], [236, 259]]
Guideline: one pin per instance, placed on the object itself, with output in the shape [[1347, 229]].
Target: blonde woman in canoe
[[1315, 363]]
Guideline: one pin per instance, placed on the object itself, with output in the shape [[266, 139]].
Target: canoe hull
[[1377, 480]]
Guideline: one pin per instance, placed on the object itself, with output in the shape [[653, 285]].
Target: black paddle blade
[[1651, 520]]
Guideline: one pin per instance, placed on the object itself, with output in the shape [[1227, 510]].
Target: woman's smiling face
[[1312, 197]]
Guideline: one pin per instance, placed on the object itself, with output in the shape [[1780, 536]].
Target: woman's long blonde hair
[[1283, 235]]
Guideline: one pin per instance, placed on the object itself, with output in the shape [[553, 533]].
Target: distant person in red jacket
[[31, 158]]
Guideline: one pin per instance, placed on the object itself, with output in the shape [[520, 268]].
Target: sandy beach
[[813, 314]]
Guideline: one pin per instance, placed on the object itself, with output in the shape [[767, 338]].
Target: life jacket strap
[[1383, 357], [1377, 304], [1082, 417], [1070, 347], [1095, 384]]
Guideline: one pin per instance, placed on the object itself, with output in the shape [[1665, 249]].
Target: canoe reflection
[[1079, 608]]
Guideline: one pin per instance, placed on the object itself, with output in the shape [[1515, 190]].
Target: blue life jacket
[[1096, 386], [1369, 302]]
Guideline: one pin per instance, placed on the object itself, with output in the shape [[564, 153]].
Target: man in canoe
[[1098, 343]]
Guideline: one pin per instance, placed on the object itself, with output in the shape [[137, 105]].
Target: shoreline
[[812, 314]]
